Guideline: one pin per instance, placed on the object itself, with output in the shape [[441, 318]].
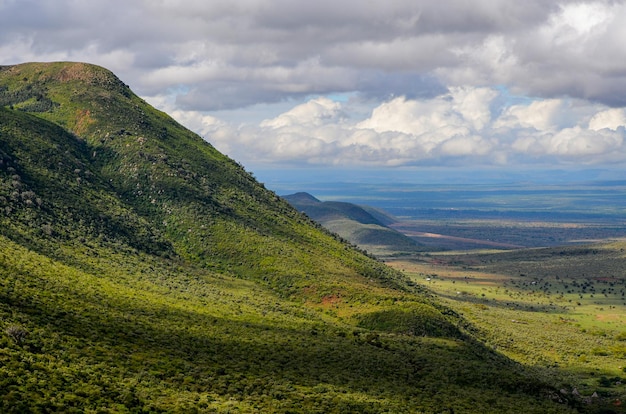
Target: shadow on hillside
[[188, 351]]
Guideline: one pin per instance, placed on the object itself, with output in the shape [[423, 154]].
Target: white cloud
[[313, 113], [408, 116], [576, 142], [463, 146], [584, 147], [577, 23], [540, 115], [611, 118], [450, 129], [474, 105], [450, 115]]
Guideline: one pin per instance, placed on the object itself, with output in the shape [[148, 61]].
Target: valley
[[542, 210], [560, 310], [543, 288], [473, 233]]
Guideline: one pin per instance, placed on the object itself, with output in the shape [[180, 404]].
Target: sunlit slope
[[143, 271], [202, 204], [561, 310], [129, 332]]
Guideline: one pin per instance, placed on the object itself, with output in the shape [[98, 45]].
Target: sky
[[377, 85]]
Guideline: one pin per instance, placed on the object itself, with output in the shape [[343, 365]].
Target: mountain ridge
[[151, 170], [363, 226]]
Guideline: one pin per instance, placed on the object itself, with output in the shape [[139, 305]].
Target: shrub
[[17, 333]]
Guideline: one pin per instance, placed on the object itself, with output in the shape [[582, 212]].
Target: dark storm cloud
[[427, 44], [380, 86]]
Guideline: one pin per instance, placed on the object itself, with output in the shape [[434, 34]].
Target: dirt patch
[[83, 120], [75, 71], [330, 300], [609, 317]]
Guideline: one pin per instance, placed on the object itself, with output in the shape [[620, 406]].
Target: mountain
[[330, 210], [143, 271], [363, 226]]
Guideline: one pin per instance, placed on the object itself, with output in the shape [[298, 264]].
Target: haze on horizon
[[502, 85]]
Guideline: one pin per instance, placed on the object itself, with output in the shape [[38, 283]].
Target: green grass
[[560, 311], [145, 334]]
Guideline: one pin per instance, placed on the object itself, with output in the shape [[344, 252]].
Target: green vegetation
[[561, 311], [363, 226], [143, 271]]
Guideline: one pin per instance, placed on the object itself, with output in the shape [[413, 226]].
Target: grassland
[[560, 311]]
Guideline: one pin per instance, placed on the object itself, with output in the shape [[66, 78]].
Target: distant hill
[[382, 216], [361, 225], [143, 271], [330, 210]]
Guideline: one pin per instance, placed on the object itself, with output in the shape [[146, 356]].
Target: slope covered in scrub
[[143, 271]]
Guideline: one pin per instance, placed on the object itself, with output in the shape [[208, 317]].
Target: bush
[[621, 336], [17, 334]]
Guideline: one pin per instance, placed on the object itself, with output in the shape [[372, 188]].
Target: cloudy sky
[[378, 84]]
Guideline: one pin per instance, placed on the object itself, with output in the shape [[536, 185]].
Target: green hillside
[[363, 226], [143, 271]]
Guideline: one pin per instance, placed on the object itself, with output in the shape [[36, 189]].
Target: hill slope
[[362, 226], [200, 202], [143, 271]]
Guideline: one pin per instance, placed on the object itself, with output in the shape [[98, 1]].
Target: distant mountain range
[[364, 226]]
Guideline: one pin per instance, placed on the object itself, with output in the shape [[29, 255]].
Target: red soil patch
[[330, 299], [609, 317]]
